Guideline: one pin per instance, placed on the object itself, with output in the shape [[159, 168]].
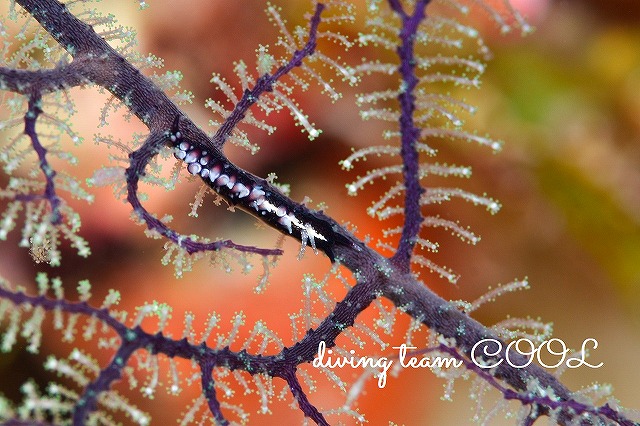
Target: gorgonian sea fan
[[428, 51]]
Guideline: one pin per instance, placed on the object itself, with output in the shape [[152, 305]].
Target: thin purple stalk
[[88, 401], [303, 402], [409, 133], [48, 304], [265, 83], [209, 390], [30, 119]]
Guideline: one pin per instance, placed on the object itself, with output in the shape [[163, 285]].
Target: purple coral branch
[[50, 195], [28, 82], [135, 338], [209, 390], [265, 83], [303, 402], [409, 133], [48, 304], [88, 401], [280, 365], [542, 403], [108, 69]]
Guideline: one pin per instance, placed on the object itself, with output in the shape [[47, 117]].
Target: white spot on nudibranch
[[179, 154], [194, 168], [257, 197], [214, 172], [256, 193], [232, 181], [241, 190], [222, 180], [192, 156]]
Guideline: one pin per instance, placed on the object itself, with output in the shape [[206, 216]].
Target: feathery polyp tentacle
[[463, 233], [438, 195], [440, 270], [362, 153], [391, 193], [459, 134], [381, 172]]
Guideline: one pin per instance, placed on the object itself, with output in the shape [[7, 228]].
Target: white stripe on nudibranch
[[286, 222], [307, 232]]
